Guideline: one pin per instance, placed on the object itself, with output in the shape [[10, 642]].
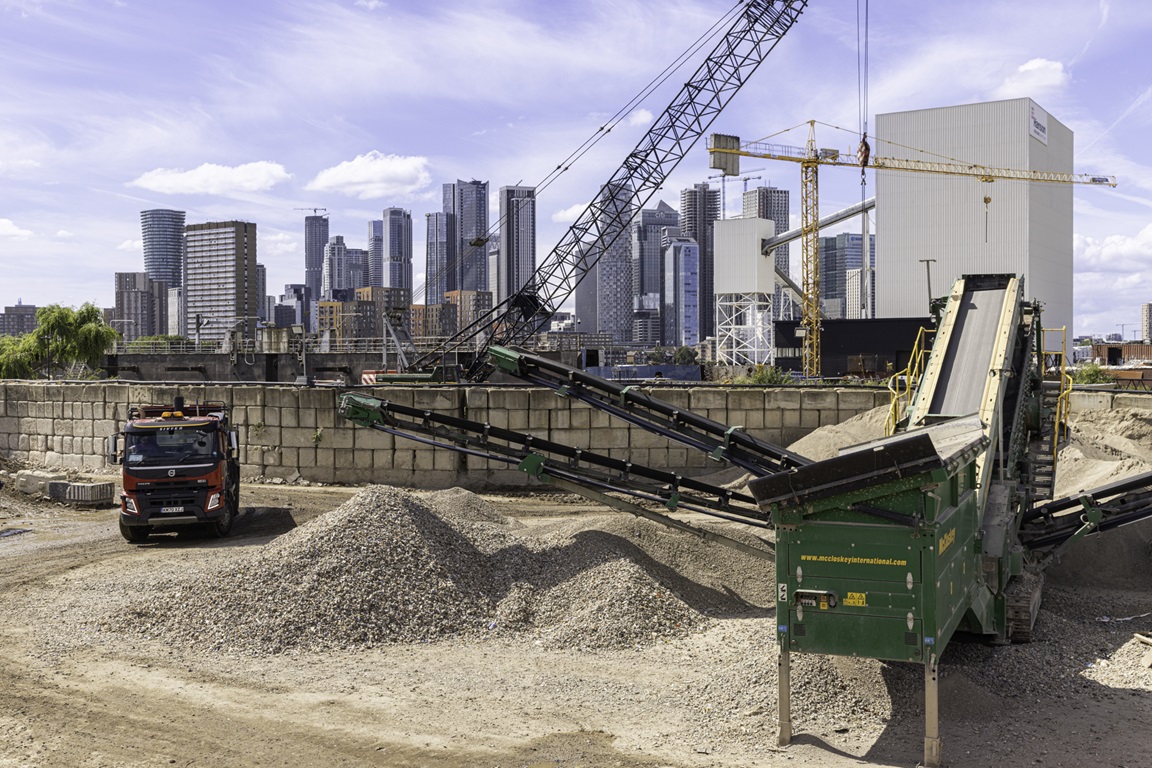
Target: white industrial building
[[745, 284], [966, 225]]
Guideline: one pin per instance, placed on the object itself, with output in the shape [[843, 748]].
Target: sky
[[252, 111]]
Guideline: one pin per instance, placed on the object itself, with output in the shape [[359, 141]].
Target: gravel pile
[[386, 567]]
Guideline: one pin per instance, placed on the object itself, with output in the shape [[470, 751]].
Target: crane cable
[[598, 135]]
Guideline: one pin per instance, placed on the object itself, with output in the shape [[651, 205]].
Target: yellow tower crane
[[725, 152]]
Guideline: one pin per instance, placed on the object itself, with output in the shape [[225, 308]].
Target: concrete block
[[9, 425], [374, 440], [580, 416], [745, 399], [517, 419], [326, 418], [289, 457], [361, 459], [446, 461], [341, 438], [809, 418], [814, 398], [475, 399], [272, 416], [243, 397], [543, 399], [82, 428], [708, 398], [289, 417], [381, 459], [599, 420], [325, 457], [827, 417], [1090, 401], [1142, 400], [442, 399], [510, 398], [270, 458], [539, 419], [404, 459], [782, 398], [306, 418], [790, 419], [35, 481], [857, 400]]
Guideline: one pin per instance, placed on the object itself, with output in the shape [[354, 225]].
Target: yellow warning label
[[857, 599]]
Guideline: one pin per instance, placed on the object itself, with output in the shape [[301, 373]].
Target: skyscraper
[[649, 231], [773, 204], [699, 208], [220, 279], [439, 249], [839, 256], [376, 252], [614, 268], [315, 238], [397, 249], [681, 311], [335, 274], [163, 234], [517, 260], [466, 202]]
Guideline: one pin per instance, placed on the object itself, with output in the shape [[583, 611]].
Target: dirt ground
[[72, 695]]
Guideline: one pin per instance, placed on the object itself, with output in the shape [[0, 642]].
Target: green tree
[[1092, 373], [17, 358], [65, 336], [685, 356]]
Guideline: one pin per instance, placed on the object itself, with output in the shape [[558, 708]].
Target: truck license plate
[[171, 510]]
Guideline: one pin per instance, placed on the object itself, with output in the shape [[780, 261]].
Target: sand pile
[[826, 442]]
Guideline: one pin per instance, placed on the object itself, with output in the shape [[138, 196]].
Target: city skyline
[[108, 111]]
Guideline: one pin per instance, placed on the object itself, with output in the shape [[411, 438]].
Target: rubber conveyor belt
[[632, 404]]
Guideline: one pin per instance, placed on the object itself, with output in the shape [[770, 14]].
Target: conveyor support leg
[[784, 690], [932, 746]]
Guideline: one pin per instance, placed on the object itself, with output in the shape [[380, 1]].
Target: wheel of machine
[[134, 533]]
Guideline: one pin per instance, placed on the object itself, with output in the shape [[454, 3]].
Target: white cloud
[[374, 175], [1034, 78], [370, 4], [278, 244], [213, 179], [64, 233], [1114, 253], [131, 245], [8, 229], [568, 215], [640, 117]]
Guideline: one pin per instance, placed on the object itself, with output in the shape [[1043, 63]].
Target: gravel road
[[377, 626]]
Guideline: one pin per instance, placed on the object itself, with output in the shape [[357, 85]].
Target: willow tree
[[65, 336]]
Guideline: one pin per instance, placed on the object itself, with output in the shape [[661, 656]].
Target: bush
[[766, 375], [1092, 373]]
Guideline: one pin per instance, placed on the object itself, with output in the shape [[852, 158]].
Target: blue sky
[[250, 110]]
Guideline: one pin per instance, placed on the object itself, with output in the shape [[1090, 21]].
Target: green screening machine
[[884, 551]]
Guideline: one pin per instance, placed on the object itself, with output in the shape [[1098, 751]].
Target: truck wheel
[[134, 533], [222, 526]]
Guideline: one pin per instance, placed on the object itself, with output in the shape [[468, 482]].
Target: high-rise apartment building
[[141, 306], [516, 262], [614, 267], [262, 293], [396, 250], [18, 320], [220, 279], [334, 267], [315, 238], [163, 234], [773, 204], [466, 202], [376, 252], [699, 209], [440, 245]]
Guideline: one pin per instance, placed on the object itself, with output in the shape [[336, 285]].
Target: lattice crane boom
[[739, 52]]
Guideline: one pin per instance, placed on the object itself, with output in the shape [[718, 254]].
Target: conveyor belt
[[635, 406], [963, 375]]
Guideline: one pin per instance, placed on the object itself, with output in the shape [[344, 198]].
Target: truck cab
[[180, 469]]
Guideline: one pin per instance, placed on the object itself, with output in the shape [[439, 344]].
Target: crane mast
[[739, 52], [725, 152]]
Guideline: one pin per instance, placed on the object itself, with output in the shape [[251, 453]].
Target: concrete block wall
[[285, 430]]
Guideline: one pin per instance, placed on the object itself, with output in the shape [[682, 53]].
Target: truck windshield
[[169, 444]]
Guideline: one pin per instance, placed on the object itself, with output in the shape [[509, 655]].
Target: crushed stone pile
[[387, 567]]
